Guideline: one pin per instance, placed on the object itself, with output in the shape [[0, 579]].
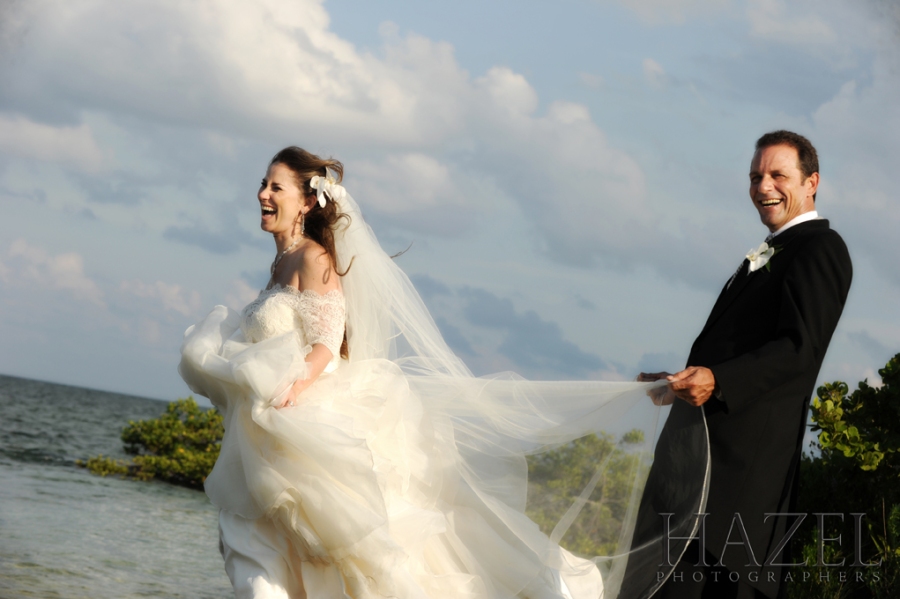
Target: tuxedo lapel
[[731, 291], [743, 277]]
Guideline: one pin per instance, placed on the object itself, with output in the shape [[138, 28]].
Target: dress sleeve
[[323, 318]]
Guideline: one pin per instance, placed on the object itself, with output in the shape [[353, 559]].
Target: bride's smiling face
[[280, 199]]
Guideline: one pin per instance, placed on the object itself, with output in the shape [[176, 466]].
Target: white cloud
[[584, 197], [673, 11], [569, 113], [270, 64], [429, 147], [272, 69], [415, 189], [773, 20], [26, 265], [72, 146], [148, 330], [509, 91], [864, 151], [491, 335], [653, 73], [408, 181], [240, 294], [591, 80], [168, 296], [57, 323]]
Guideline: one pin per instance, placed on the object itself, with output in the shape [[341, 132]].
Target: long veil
[[574, 456]]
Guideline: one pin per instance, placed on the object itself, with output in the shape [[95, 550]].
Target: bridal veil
[[497, 421]]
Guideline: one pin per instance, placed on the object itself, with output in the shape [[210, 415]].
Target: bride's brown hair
[[320, 222]]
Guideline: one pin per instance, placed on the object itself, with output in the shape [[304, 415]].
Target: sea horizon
[[201, 401]]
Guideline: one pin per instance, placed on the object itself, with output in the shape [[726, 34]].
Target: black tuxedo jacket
[[764, 341]]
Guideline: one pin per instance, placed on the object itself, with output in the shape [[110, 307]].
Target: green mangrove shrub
[[856, 471], [180, 447], [556, 479]]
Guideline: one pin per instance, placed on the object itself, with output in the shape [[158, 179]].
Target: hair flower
[[327, 186]]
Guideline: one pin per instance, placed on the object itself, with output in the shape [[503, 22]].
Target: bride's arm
[[317, 274], [316, 361]]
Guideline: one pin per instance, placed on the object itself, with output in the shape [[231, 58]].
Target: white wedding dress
[[398, 473]]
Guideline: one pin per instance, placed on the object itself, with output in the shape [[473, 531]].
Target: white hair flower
[[327, 186]]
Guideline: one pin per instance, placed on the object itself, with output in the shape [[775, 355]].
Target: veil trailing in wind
[[498, 421]]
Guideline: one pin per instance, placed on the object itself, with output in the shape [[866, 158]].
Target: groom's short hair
[[807, 157]]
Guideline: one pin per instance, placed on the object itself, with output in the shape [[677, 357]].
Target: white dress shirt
[[806, 216]]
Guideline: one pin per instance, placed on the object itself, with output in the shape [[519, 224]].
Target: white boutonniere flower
[[327, 187], [760, 256]]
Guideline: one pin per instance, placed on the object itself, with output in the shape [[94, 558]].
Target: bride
[[362, 459]]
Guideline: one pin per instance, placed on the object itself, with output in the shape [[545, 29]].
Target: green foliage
[[179, 447], [835, 418], [557, 478], [847, 581], [858, 471], [104, 466], [859, 438]]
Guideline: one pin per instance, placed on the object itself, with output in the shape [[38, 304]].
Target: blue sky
[[572, 176]]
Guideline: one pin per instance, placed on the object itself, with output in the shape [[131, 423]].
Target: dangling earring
[[300, 221]]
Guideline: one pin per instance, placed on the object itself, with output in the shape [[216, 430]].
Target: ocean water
[[67, 533]]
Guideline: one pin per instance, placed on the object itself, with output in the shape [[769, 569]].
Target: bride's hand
[[660, 396], [649, 377], [316, 361], [288, 399]]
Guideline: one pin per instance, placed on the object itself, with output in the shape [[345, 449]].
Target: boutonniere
[[760, 256]]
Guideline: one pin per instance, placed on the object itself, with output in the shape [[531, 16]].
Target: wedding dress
[[398, 473]]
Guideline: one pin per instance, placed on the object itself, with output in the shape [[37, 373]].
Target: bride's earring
[[300, 223]]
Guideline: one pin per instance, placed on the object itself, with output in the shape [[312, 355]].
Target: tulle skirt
[[390, 480]]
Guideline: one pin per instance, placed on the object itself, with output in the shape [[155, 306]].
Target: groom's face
[[778, 188]]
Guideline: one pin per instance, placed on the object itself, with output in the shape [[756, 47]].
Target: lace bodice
[[282, 309]]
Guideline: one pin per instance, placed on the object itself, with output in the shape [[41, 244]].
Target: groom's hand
[[694, 384]]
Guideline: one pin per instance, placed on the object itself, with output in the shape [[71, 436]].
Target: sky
[[570, 177]]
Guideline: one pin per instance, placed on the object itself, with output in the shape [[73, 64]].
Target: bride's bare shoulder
[[315, 269]]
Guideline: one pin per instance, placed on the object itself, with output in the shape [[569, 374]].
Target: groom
[[752, 370]]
